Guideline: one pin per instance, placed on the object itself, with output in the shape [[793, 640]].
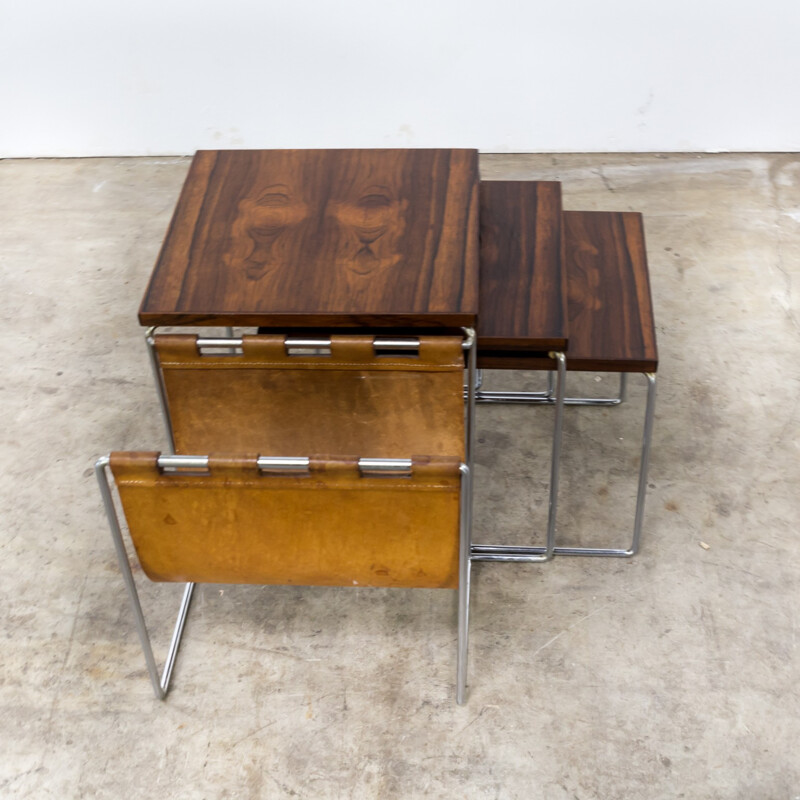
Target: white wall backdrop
[[98, 77]]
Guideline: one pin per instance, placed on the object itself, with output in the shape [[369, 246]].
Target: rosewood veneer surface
[[609, 309], [611, 321], [523, 298], [340, 238]]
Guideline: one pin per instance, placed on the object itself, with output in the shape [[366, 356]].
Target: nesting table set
[[376, 279]]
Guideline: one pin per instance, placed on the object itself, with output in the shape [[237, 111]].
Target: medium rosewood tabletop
[[523, 291], [321, 238]]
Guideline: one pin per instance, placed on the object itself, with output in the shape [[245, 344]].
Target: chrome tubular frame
[[641, 493], [160, 683], [493, 552]]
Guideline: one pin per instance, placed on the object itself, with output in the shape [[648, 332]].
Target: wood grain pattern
[[610, 310], [611, 320], [321, 238], [523, 290]]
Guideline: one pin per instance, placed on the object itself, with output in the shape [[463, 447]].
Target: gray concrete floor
[[674, 674]]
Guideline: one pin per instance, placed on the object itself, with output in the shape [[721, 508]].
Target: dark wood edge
[[491, 344], [513, 181], [366, 331], [533, 361], [537, 361], [273, 320], [589, 365]]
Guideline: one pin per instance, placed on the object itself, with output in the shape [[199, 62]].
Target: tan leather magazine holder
[[356, 399], [384, 516], [332, 524]]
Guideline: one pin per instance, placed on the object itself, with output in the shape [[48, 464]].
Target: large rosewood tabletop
[[321, 238]]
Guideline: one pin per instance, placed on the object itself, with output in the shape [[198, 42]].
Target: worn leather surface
[[329, 527], [352, 401]]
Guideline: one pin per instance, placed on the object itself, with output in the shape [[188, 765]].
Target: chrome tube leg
[[470, 344], [551, 382], [555, 459], [176, 636], [160, 684], [478, 384], [538, 554], [623, 387], [160, 388], [646, 440], [465, 533], [464, 577]]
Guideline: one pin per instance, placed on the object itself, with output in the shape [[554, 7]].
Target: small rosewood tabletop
[[337, 238]]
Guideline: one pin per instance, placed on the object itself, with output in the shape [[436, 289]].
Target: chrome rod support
[[376, 467], [237, 341], [293, 341], [232, 351], [384, 464], [381, 343], [266, 463], [386, 343], [526, 555], [182, 462], [297, 341], [532, 398], [272, 464], [486, 396], [213, 342], [547, 398]]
